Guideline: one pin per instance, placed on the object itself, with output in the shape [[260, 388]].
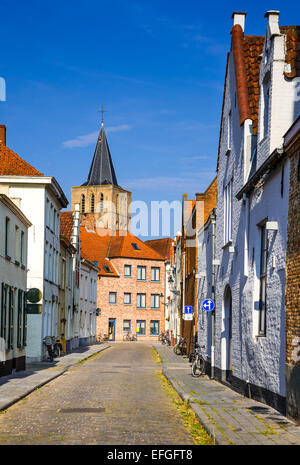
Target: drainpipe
[[213, 294]]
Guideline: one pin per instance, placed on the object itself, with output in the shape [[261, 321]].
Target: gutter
[[277, 156]]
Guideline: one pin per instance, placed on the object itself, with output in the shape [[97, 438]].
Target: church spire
[[102, 169]]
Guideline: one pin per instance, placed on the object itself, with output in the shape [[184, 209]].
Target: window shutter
[[24, 321], [2, 310], [19, 339], [10, 341]]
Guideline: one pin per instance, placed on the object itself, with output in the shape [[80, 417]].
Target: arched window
[[82, 203], [101, 202], [92, 203]]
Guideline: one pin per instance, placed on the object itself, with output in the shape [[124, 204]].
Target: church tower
[[103, 203]]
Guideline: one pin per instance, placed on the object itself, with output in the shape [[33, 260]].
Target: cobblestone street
[[113, 398]]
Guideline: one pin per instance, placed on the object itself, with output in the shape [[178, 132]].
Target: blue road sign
[[208, 305], [188, 309]]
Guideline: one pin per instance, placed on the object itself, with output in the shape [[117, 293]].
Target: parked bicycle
[[166, 338], [54, 347], [103, 338], [180, 348], [129, 337], [199, 364]]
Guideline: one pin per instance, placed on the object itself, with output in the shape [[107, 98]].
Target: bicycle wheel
[[177, 350], [198, 367], [125, 337], [57, 351]]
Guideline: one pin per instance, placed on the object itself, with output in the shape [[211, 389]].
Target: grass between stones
[[187, 415]]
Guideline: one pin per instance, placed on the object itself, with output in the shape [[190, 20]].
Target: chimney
[[2, 134], [239, 18], [273, 22]]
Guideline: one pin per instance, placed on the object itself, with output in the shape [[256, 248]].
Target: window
[[155, 300], [22, 252], [112, 297], [127, 270], [265, 104], [141, 276], [92, 203], [126, 326], [262, 280], [135, 246], [127, 298], [228, 212], [17, 245], [7, 237], [82, 203], [141, 327], [101, 203], [3, 311], [155, 273], [154, 328], [141, 301], [229, 131], [107, 269]]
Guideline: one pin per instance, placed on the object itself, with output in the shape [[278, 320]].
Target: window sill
[[17, 263], [260, 335], [141, 308], [127, 305], [228, 244], [8, 258], [142, 280], [127, 276]]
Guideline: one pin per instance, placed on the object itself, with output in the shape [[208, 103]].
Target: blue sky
[[157, 66]]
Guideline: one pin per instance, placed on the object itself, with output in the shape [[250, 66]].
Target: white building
[[13, 276], [259, 106], [88, 302], [206, 283], [40, 198]]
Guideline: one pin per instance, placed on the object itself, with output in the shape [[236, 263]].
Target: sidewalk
[[228, 417], [21, 383]]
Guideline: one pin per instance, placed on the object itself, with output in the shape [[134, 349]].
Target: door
[[228, 330], [111, 329]]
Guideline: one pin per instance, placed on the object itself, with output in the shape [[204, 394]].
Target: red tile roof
[[292, 56], [246, 56], [66, 224], [162, 246], [97, 247], [13, 165]]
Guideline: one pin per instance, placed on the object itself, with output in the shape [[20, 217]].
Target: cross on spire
[[102, 111]]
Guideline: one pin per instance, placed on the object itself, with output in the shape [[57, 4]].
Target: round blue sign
[[208, 305]]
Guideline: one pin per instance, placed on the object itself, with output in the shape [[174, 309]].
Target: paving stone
[[137, 409], [256, 425]]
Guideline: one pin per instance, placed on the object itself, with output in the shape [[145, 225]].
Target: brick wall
[[293, 258], [121, 285]]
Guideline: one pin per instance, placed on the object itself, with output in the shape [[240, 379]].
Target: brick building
[[131, 274], [195, 214], [292, 301], [131, 284]]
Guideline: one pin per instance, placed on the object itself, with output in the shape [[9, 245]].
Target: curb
[[51, 378], [213, 432]]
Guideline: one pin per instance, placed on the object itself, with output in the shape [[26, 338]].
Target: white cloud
[[89, 139]]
